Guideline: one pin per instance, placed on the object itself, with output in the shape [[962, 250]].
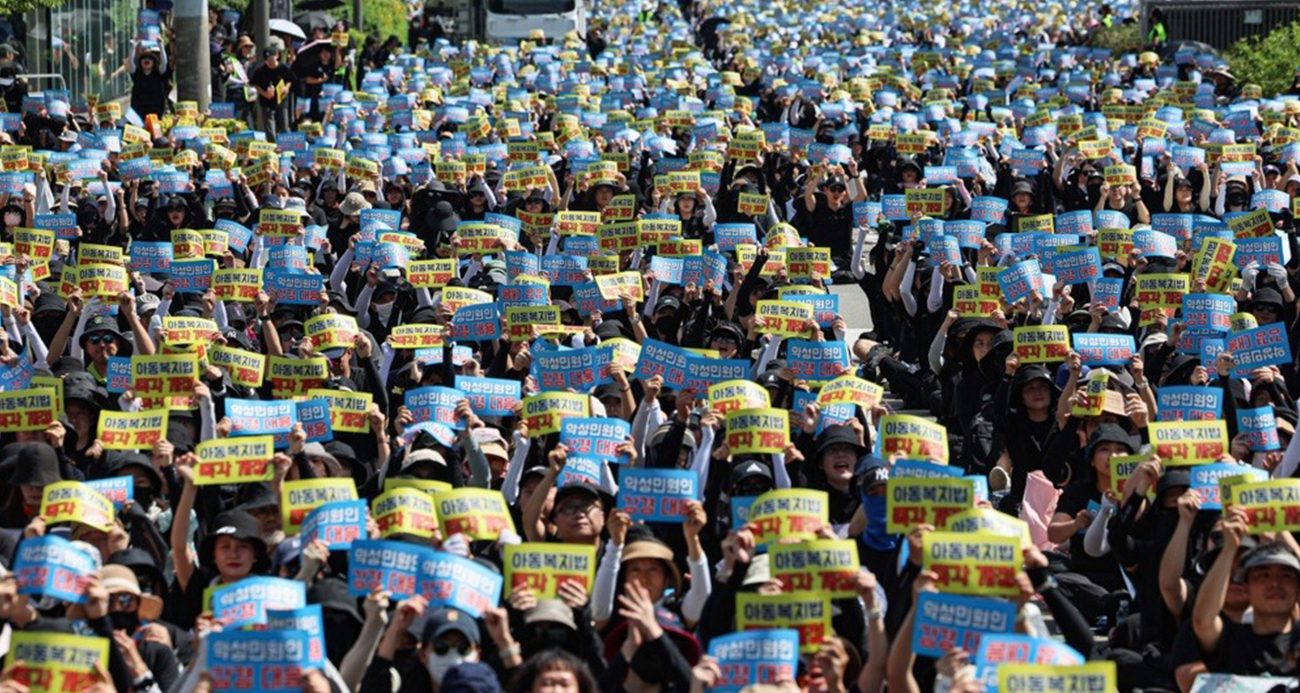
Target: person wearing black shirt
[[272, 100], [1271, 573], [825, 217], [312, 73], [150, 81]]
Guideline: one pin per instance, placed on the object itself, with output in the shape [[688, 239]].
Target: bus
[[507, 21]]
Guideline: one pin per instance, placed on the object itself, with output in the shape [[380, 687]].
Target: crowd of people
[[458, 367]]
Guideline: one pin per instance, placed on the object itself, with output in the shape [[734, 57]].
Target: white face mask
[[438, 665], [384, 310], [13, 219]]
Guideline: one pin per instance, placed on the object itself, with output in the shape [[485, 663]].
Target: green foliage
[[1269, 60], [380, 18], [1120, 38], [12, 6]]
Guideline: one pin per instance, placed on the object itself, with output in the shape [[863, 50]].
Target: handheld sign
[[337, 524], [914, 501], [50, 565], [278, 659], [794, 513], [657, 495], [808, 613], [828, 566], [54, 661], [1270, 506], [544, 567], [247, 601], [297, 498], [1104, 349], [234, 460], [764, 657], [132, 430], [947, 621], [377, 564], [758, 430], [913, 437], [1042, 343], [73, 501], [404, 511], [1188, 442], [477, 513], [978, 563]]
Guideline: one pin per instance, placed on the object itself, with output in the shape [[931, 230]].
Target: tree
[[1268, 60], [15, 6]]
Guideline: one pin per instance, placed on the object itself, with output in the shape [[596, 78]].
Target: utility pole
[[261, 25], [193, 54], [356, 15]]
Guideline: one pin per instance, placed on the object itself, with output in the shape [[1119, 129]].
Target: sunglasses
[[98, 339], [125, 600], [442, 647]]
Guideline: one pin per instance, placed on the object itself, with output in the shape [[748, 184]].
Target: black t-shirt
[[266, 78], [826, 228], [1241, 651], [1075, 498]]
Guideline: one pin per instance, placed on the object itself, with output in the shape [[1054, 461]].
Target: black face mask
[[546, 636], [144, 497], [128, 621]]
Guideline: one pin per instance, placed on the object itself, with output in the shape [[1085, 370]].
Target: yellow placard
[[404, 511], [245, 367], [73, 501], [626, 353], [329, 159], [1120, 174], [825, 566], [1094, 392], [569, 223], [362, 168], [1188, 442], [927, 202], [1213, 264], [238, 460], [522, 320], [478, 237], [1270, 506], [297, 498], [806, 263], [429, 486], [349, 411], [124, 430], [809, 613], [734, 395], [850, 389], [612, 286], [969, 302], [431, 274], [913, 438], [418, 336], [187, 244], [1041, 343], [1254, 224], [989, 520], [1093, 677], [1121, 468], [101, 279], [279, 222], [27, 410], [294, 377], [544, 411], [792, 513], [916, 501], [783, 318], [1115, 244], [237, 285], [164, 375], [331, 331], [37, 244], [973, 563], [544, 567], [752, 204], [1040, 223], [764, 430], [475, 512], [56, 662], [186, 330]]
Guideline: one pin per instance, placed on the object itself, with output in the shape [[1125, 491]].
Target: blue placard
[[1151, 244], [245, 603], [436, 404], [149, 258], [920, 469], [657, 495], [290, 288], [1208, 312], [825, 306], [817, 361], [170, 182], [1104, 349], [827, 414], [579, 471], [338, 524], [1077, 266], [658, 358], [522, 295], [1078, 222], [998, 649], [64, 225], [968, 232], [1177, 225], [668, 270], [1265, 345], [1020, 280], [575, 369], [309, 619], [459, 583], [478, 322], [50, 565], [728, 236], [135, 169], [490, 396], [947, 621], [1266, 250], [521, 262], [990, 210], [768, 656], [16, 377], [1106, 292], [119, 374], [1259, 425], [1189, 403], [118, 489], [314, 415], [255, 417], [377, 564], [595, 437], [291, 257], [1205, 480], [703, 372], [275, 659], [193, 276], [237, 234]]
